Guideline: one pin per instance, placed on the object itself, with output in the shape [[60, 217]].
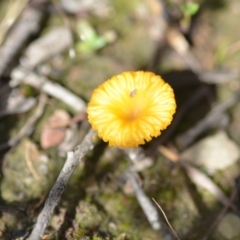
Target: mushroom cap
[[131, 108]]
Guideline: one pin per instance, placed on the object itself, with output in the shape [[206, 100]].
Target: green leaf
[[189, 9]]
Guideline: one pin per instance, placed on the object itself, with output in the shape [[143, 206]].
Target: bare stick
[[29, 125], [149, 209], [198, 177], [213, 119], [22, 75], [73, 159]]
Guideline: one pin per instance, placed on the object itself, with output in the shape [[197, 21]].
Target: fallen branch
[[73, 159], [149, 209], [24, 76]]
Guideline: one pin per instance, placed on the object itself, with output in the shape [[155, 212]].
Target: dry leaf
[[54, 130]]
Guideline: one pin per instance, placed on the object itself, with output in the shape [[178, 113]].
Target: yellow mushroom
[[131, 108]]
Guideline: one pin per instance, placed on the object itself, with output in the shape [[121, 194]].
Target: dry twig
[[215, 118], [178, 42], [170, 226], [73, 159], [218, 76], [22, 75], [28, 128], [198, 177], [149, 209]]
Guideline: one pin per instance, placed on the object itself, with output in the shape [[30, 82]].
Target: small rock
[[215, 152], [229, 226]]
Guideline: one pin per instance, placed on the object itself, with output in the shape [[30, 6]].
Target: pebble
[[229, 226], [215, 152]]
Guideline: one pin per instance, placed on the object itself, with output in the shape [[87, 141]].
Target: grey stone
[[215, 152], [229, 226]]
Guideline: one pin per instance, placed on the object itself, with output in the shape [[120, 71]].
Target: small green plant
[[79, 234], [90, 40], [96, 237], [188, 10]]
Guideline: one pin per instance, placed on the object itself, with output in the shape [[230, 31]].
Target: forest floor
[[53, 54]]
